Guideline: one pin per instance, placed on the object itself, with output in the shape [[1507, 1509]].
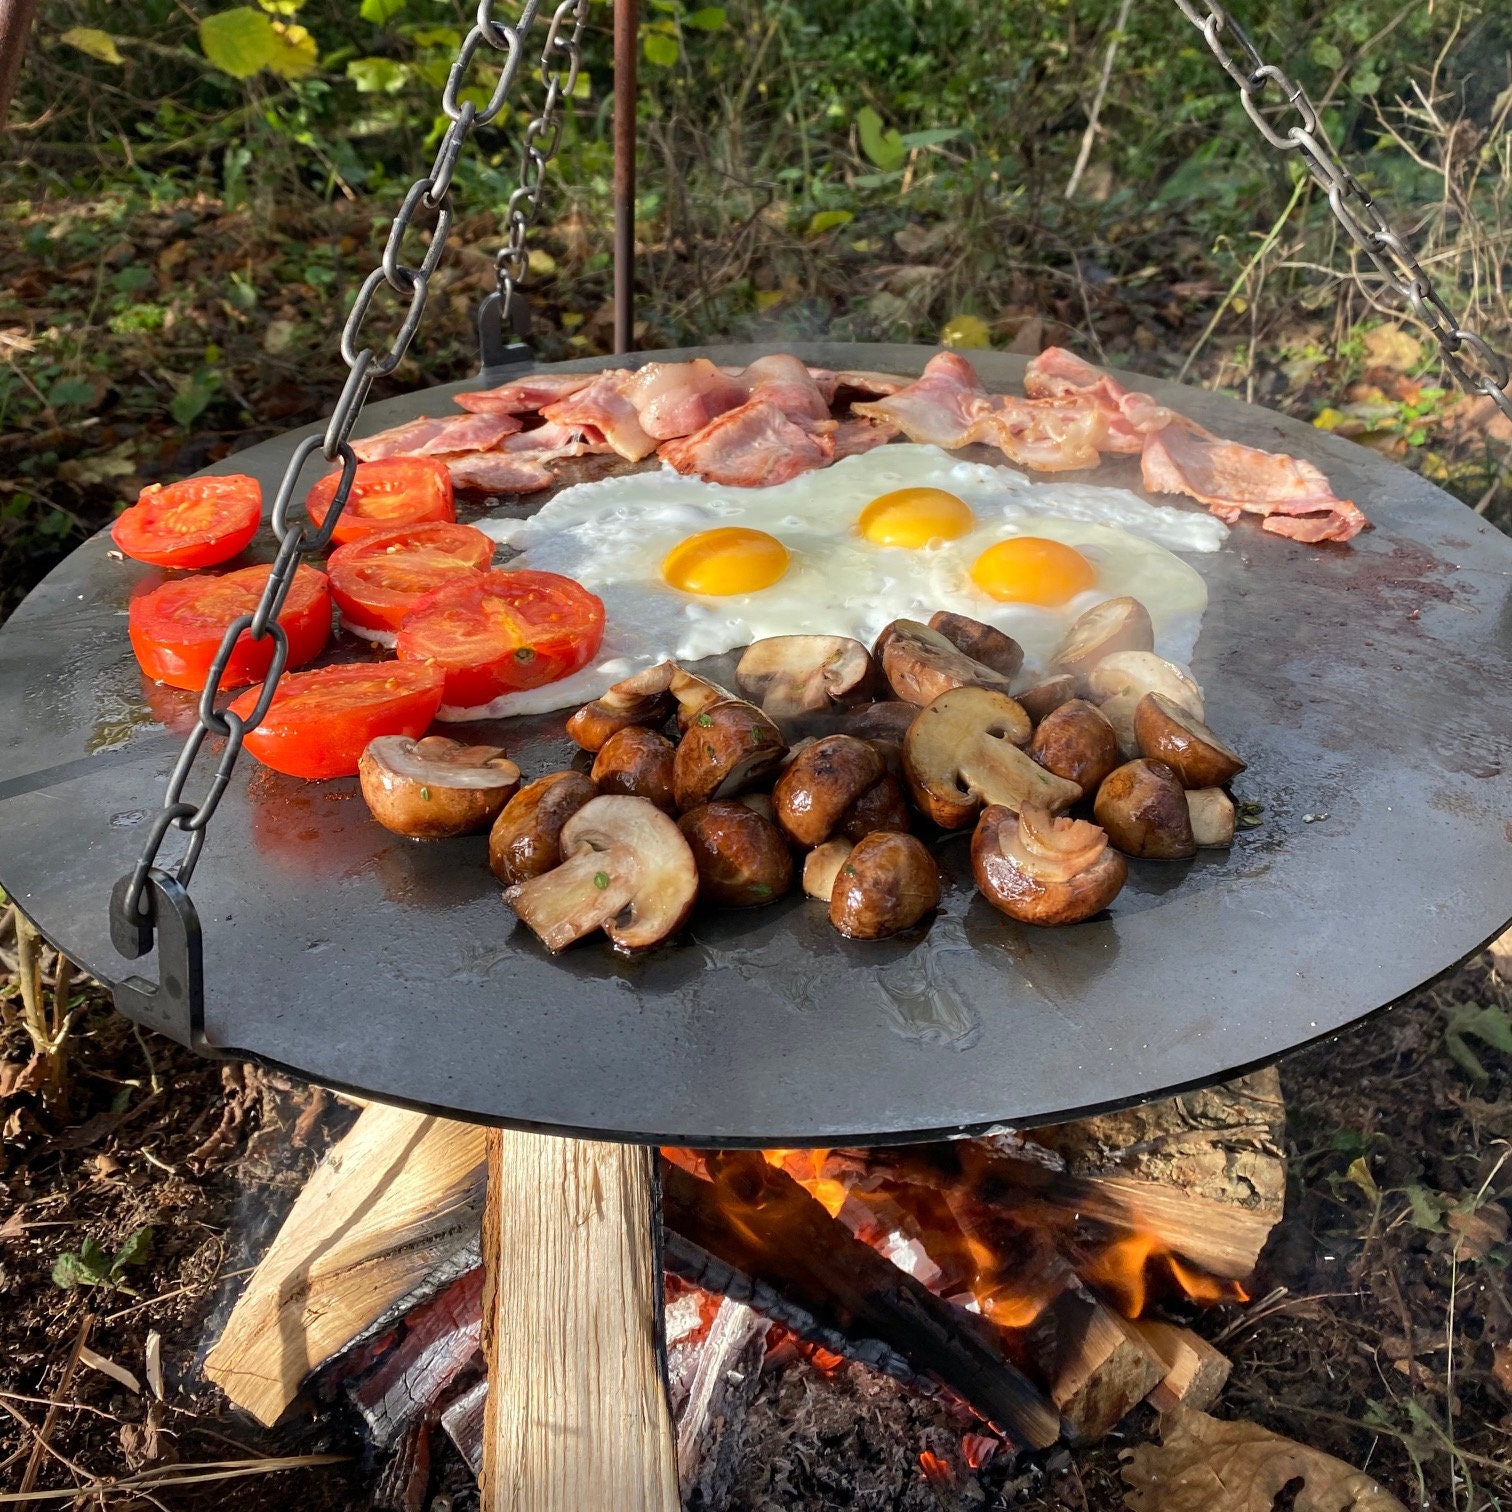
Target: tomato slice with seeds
[[177, 628], [395, 491], [320, 722], [376, 581], [199, 522], [502, 632]]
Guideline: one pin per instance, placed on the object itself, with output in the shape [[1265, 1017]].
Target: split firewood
[[1196, 1372], [729, 1370]]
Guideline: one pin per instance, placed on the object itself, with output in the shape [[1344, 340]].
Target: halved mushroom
[[882, 806], [1119, 712], [638, 762], [887, 883], [887, 719], [920, 664], [431, 788], [1144, 810], [1135, 673], [525, 841], [822, 865], [962, 751], [645, 699], [821, 782], [1044, 698], [626, 869], [789, 675], [1212, 814], [1042, 870], [1167, 732], [982, 643], [1077, 743], [1116, 624], [694, 694], [742, 859], [729, 745]]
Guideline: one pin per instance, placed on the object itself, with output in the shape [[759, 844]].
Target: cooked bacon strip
[[439, 436], [1293, 496], [879, 384], [499, 472], [850, 438], [947, 406], [679, 398], [749, 447], [1050, 435], [787, 383], [523, 396], [604, 407], [1131, 415]]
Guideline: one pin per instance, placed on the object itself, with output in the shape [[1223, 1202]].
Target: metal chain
[[560, 60], [1487, 372], [300, 538]]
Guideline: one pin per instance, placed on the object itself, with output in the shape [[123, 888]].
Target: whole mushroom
[[728, 746], [435, 787], [1076, 742], [789, 675], [526, 838], [888, 882], [1042, 870], [1143, 808], [743, 860], [821, 783], [920, 664], [638, 762]]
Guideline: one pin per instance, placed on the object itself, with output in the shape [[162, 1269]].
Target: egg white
[[613, 535]]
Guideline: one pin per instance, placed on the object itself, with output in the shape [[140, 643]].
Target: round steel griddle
[[1370, 688]]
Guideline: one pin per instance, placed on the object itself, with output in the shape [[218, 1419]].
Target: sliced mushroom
[[1167, 732], [822, 865], [743, 860], [1044, 698], [821, 782], [645, 699], [882, 806], [694, 694], [1077, 743], [982, 643], [432, 788], [1042, 870], [729, 745], [1144, 810], [887, 883], [789, 675], [1135, 673], [1212, 814], [962, 752], [626, 869], [885, 720], [638, 762], [1116, 624], [525, 841], [920, 664]]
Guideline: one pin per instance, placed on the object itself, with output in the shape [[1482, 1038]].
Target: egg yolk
[[914, 517], [729, 560], [1031, 570]]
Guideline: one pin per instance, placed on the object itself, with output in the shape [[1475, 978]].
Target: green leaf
[[281, 7], [965, 331], [884, 148], [1359, 1174], [294, 53], [97, 44], [934, 138], [193, 397], [1488, 1024], [1427, 1209], [70, 391], [239, 42], [378, 75], [380, 12], [70, 1270], [660, 49], [1325, 54], [135, 1251], [710, 18], [827, 220]]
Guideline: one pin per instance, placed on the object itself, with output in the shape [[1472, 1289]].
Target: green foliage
[[884, 147], [91, 1265], [1487, 1023], [242, 42], [97, 44]]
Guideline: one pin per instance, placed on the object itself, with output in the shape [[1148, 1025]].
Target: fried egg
[[688, 569]]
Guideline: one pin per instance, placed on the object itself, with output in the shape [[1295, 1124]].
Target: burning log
[[729, 1368]]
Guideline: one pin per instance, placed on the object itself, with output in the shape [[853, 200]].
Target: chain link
[[365, 362], [1488, 372]]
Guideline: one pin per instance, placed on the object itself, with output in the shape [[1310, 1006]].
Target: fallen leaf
[[1204, 1465], [1477, 1230], [22, 1076], [1390, 346]]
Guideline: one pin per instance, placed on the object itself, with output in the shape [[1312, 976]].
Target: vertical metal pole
[[624, 173]]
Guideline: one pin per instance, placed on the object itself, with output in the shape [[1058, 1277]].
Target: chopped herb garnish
[[704, 721], [601, 880], [1249, 814], [425, 795], [760, 890]]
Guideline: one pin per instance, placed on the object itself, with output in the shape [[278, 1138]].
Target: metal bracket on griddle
[[496, 355], [175, 1004]]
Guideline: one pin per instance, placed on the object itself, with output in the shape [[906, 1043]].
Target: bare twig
[[1090, 134], [50, 1421], [159, 1478]]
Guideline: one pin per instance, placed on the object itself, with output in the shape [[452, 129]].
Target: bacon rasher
[[438, 436]]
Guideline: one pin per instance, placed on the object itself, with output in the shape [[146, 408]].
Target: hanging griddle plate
[[1370, 687]]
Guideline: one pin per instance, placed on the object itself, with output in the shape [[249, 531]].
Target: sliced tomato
[[376, 581], [503, 631], [396, 491], [320, 722], [200, 522], [177, 628]]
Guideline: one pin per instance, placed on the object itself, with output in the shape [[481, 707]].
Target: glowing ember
[[936, 1471], [806, 1167], [979, 1448]]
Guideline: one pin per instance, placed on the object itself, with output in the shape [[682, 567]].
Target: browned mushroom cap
[[1144, 810], [727, 747], [882, 806], [1212, 814], [637, 761], [1043, 870], [1167, 732], [920, 664], [887, 883], [982, 643], [526, 838], [645, 699], [788, 675], [1044, 698], [694, 694], [821, 782], [1077, 743], [961, 752], [1116, 624], [626, 869], [1134, 673], [435, 787], [1119, 712], [885, 720], [822, 865], [743, 860]]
